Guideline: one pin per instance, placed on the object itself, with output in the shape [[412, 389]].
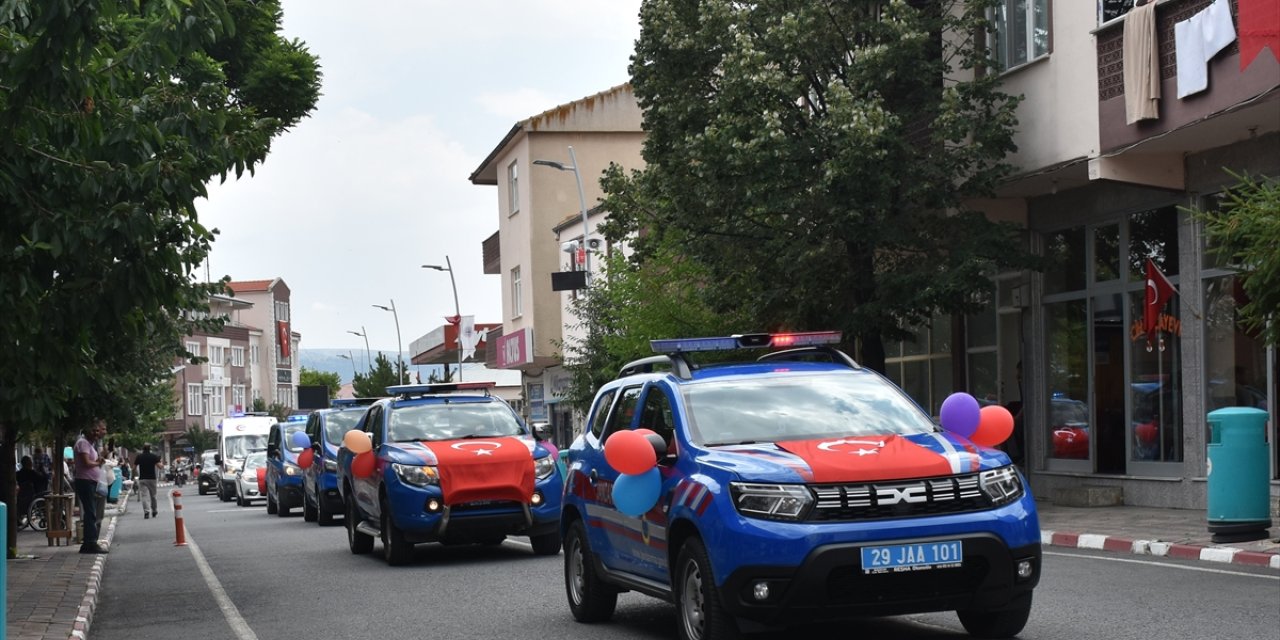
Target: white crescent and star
[[488, 451], [1154, 296], [831, 444]]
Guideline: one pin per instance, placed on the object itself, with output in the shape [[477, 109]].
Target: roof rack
[[403, 391], [832, 355], [678, 363]]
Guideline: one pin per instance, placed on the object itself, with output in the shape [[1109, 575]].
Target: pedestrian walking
[[144, 475], [88, 474]]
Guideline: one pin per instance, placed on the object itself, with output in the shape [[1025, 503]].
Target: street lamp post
[[582, 202], [368, 365], [399, 349], [456, 312], [353, 364]]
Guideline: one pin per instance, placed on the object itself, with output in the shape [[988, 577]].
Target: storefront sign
[[515, 349], [1165, 323]]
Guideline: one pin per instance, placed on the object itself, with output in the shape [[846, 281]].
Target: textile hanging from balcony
[[1197, 40], [1141, 65], [1259, 27]]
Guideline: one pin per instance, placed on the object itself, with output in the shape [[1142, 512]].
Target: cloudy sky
[[374, 184]]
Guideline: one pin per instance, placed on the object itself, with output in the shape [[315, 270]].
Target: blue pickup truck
[[448, 463], [793, 487]]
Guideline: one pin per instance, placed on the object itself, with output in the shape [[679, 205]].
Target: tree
[[278, 411], [200, 438], [1244, 232], [374, 383], [816, 159], [312, 377], [113, 117]]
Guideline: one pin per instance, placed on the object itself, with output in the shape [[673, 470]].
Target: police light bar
[[351, 402], [296, 418], [439, 387], [746, 341]]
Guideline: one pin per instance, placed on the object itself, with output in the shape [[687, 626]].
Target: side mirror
[[542, 431], [217, 459], [273, 451]]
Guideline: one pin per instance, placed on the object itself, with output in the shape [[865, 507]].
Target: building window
[[284, 396], [1109, 10], [922, 367], [237, 356], [1020, 31], [513, 188], [517, 304], [253, 354], [237, 397], [194, 405], [194, 349], [217, 355], [218, 401]]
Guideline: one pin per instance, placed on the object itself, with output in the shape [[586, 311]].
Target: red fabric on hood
[[867, 458], [484, 469]]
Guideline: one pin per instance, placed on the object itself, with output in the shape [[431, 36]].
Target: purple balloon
[[960, 414]]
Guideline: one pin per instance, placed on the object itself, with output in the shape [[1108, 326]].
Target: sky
[[353, 200]]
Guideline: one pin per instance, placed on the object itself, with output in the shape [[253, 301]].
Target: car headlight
[[543, 467], [1002, 485], [771, 501], [330, 465], [292, 470], [416, 475], [233, 466]]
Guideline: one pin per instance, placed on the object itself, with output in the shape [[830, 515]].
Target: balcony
[[1237, 104]]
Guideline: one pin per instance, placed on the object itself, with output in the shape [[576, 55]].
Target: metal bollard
[[177, 520]]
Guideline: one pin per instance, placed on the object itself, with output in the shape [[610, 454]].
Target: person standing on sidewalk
[[88, 472], [144, 465]]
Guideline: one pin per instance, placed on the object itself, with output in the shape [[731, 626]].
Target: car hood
[[854, 458], [419, 453]]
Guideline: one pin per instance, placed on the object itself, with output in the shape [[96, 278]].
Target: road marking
[[1161, 564], [229, 610]]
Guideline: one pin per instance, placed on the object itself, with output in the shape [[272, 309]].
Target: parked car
[[448, 463], [322, 501], [208, 479], [795, 488], [1069, 426], [248, 486]]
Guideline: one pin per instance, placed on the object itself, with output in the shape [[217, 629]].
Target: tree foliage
[[330, 380], [200, 439], [1244, 232], [816, 159], [374, 383]]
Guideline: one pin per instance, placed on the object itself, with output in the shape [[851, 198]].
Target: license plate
[[912, 557]]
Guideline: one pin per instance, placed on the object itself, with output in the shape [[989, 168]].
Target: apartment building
[[1120, 133], [538, 191]]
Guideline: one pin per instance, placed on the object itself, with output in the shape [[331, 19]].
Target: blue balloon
[[960, 414], [300, 439], [635, 494]]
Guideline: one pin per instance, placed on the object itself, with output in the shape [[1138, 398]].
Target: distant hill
[[331, 361]]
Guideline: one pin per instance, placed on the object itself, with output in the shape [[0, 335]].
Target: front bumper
[[469, 522], [289, 491]]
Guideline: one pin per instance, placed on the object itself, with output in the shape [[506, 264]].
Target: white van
[[239, 436]]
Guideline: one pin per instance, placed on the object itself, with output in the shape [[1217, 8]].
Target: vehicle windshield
[[289, 430], [800, 407], [450, 420], [338, 423], [237, 447], [255, 460]]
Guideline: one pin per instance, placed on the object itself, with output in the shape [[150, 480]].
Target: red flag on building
[[282, 336], [1259, 27], [1159, 291]]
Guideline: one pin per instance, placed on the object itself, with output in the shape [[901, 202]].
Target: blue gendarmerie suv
[[321, 500], [793, 487]]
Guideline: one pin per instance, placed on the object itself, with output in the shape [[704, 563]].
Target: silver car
[[247, 479]]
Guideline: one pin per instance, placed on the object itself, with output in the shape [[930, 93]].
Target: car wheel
[[699, 614], [281, 510], [546, 545], [395, 548], [323, 515], [308, 509], [201, 489], [591, 599], [1004, 623], [271, 505], [360, 543]]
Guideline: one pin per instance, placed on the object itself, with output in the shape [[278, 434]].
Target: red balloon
[[995, 425], [1146, 432], [630, 452], [362, 466], [262, 481], [306, 458]]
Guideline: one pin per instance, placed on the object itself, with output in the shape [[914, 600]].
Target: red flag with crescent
[[868, 458], [282, 337], [484, 469], [1159, 291]]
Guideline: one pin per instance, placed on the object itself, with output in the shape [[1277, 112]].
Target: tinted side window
[[623, 411], [602, 412], [373, 424], [656, 414]]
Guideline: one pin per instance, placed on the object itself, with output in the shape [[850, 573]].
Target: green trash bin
[[1238, 502]]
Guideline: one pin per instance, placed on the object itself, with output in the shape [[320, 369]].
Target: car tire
[[271, 505], [546, 544], [395, 548], [323, 515], [360, 543], [281, 510], [200, 489], [1004, 623], [699, 613], [308, 510], [591, 599]]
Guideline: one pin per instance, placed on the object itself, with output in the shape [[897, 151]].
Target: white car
[[247, 488]]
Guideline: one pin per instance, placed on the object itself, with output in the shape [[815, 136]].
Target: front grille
[[490, 506], [898, 499]]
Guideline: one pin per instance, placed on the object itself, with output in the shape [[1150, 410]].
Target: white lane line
[[229, 610], [1161, 564]]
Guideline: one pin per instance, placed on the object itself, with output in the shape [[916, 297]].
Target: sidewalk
[[52, 591]]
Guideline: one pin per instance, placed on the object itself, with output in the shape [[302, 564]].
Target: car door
[[366, 488], [609, 530], [275, 459], [311, 474]]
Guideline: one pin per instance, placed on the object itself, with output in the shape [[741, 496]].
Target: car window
[[602, 412], [450, 420], [289, 430], [338, 423], [656, 414], [799, 407], [255, 461], [372, 424], [623, 411]]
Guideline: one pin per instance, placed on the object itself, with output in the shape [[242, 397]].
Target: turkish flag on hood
[[484, 469], [869, 458]]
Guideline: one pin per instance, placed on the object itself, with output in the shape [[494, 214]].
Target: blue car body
[[284, 474], [322, 502]]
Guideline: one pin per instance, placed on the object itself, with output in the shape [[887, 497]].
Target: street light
[[399, 349], [353, 364], [368, 366], [456, 312], [582, 202]]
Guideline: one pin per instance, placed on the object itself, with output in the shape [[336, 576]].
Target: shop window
[[922, 366], [1064, 251], [1106, 252], [1153, 234], [1067, 375]]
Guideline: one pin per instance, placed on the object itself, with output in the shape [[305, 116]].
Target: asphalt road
[[247, 575]]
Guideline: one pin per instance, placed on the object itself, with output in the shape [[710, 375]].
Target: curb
[[1230, 555], [84, 616]]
